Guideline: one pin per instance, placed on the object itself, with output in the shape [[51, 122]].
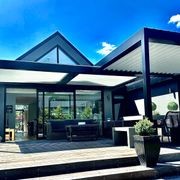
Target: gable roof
[[55, 40]]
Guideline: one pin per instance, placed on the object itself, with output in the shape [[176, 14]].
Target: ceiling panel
[[164, 58], [25, 76], [99, 80], [129, 62]]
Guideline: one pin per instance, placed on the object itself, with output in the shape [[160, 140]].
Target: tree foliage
[[172, 106], [154, 106]]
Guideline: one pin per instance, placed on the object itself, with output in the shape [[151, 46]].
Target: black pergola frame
[[142, 38]]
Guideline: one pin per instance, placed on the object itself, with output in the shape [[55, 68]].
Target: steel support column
[[178, 90], [146, 75]]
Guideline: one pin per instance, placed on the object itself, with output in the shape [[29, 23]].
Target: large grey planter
[[147, 149]]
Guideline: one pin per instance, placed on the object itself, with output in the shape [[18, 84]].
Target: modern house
[[54, 80]]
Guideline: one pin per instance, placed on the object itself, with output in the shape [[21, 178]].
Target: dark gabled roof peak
[[65, 42]]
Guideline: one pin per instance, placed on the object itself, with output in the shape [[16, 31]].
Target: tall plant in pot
[[147, 143]]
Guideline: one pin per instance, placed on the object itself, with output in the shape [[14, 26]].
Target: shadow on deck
[[34, 146]]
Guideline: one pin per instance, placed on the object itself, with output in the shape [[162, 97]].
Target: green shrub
[[144, 127], [172, 106], [154, 106], [87, 113]]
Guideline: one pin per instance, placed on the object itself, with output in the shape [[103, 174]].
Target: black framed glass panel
[[89, 105], [58, 105]]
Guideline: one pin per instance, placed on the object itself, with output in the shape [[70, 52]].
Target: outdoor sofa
[[60, 129]]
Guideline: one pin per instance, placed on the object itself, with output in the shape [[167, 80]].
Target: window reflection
[[88, 105]]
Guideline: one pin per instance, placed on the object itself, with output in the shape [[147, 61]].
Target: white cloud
[[175, 20], [106, 48]]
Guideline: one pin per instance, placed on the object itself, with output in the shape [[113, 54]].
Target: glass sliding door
[[59, 106], [89, 105], [21, 114], [54, 106]]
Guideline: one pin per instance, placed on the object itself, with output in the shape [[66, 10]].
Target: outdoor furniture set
[[73, 129], [170, 127], [121, 133]]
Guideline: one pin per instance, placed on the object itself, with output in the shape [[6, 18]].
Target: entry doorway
[[21, 114]]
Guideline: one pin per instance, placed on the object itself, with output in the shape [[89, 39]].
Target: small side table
[[118, 133]]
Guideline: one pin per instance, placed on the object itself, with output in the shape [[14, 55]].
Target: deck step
[[133, 172], [39, 170], [66, 168]]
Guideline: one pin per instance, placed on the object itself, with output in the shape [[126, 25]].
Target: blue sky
[[95, 27]]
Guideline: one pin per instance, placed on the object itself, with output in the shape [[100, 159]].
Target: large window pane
[[50, 57], [58, 105], [64, 59], [88, 105]]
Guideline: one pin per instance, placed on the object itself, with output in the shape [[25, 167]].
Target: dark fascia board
[[129, 45], [48, 39], [35, 66], [162, 36], [72, 69], [139, 84], [69, 69], [51, 87]]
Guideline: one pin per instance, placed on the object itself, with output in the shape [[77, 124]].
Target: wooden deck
[[46, 154]]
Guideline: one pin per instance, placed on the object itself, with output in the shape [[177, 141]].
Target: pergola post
[[178, 90], [146, 75]]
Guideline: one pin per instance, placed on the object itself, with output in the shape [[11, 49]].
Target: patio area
[[44, 157]]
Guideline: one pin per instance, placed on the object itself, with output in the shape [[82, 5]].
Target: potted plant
[[147, 143]]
